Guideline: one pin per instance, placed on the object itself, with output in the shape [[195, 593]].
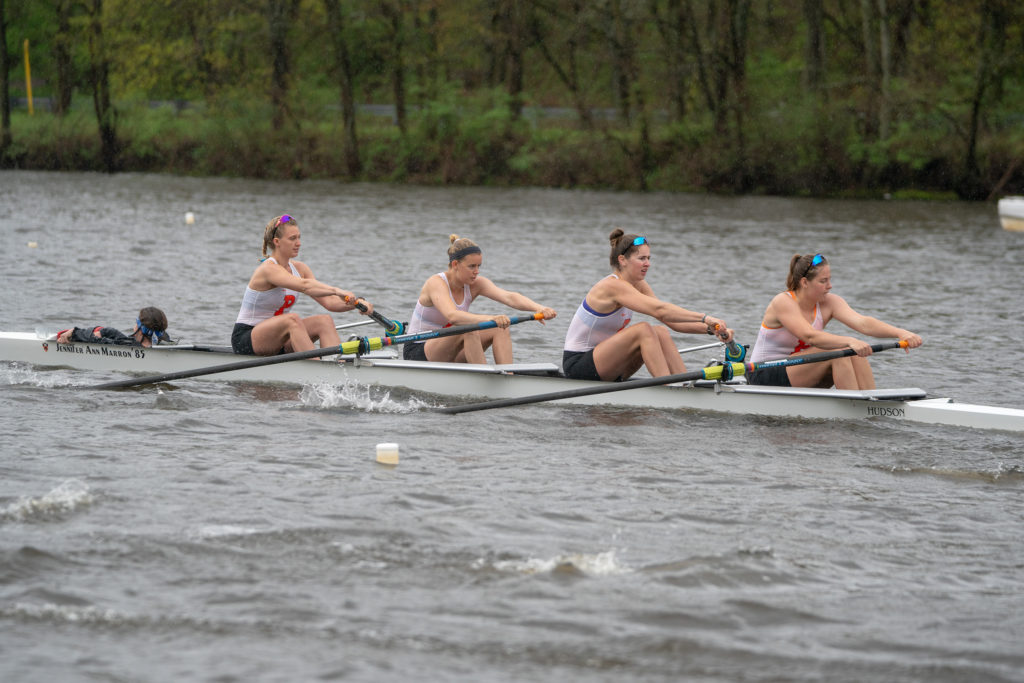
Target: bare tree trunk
[[699, 52], [281, 16], [427, 68], [515, 25], [343, 69], [672, 29], [739, 12], [991, 46], [814, 72], [885, 66], [569, 76], [5, 83], [620, 37], [394, 13], [99, 75], [62, 56], [871, 67]]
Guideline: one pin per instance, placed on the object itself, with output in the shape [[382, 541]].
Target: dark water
[[232, 532]]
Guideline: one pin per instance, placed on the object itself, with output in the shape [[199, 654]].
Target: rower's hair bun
[[615, 235]]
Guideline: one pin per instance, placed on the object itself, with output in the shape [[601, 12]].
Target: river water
[[210, 531]]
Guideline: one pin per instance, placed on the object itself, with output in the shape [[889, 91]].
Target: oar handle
[[392, 327], [734, 353]]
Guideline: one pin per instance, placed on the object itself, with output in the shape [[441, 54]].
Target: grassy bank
[[480, 143]]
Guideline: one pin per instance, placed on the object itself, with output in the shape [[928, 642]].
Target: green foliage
[[948, 103]]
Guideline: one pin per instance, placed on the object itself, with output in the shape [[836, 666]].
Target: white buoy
[[33, 245], [387, 453], [190, 218]]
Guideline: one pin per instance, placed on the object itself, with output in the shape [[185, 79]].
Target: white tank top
[[258, 306], [589, 328], [778, 342], [428, 318]]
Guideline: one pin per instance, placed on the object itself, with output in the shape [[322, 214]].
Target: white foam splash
[[222, 530], [71, 495], [588, 564], [64, 613], [22, 374], [352, 394]]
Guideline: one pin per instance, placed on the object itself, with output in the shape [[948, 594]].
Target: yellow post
[[28, 79]]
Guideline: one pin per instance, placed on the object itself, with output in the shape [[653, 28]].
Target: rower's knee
[[644, 330]]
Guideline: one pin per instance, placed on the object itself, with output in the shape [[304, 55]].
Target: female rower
[[794, 324], [444, 300], [264, 326], [600, 342]]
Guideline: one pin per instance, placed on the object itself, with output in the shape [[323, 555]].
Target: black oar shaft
[[584, 391], [713, 372], [214, 369], [356, 346]]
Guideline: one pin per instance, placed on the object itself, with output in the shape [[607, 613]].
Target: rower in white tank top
[[258, 306], [428, 318], [778, 342], [589, 328]]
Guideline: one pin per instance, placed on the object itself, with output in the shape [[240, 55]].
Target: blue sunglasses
[[637, 241], [815, 262], [148, 332]]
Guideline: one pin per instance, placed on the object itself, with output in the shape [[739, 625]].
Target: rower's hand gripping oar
[[391, 327], [354, 346], [734, 353], [713, 372]]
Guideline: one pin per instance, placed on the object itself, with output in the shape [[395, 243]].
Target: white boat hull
[[497, 382], [1011, 213]]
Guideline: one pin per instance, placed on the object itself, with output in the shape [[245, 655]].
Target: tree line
[[788, 96]]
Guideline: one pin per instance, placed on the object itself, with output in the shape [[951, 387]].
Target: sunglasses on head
[[637, 241], [285, 218], [815, 262]]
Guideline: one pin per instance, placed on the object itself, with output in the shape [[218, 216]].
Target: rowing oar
[[354, 346], [714, 372], [391, 327]]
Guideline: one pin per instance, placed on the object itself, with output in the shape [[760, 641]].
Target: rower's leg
[[627, 350], [843, 374], [284, 331], [322, 327], [822, 374], [472, 350], [862, 369], [453, 349], [500, 342], [669, 350]]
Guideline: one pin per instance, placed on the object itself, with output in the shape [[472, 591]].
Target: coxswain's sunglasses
[[148, 332]]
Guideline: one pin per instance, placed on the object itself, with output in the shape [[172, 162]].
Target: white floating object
[[387, 453], [190, 218], [33, 245], [1011, 213]]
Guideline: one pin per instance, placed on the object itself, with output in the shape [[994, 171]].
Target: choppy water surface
[[215, 531]]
